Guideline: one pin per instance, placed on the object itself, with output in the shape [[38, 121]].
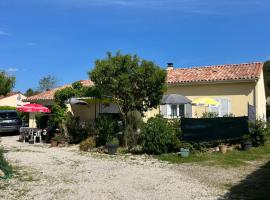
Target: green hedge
[[7, 108]]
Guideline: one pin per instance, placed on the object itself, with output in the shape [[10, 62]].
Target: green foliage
[[30, 92], [59, 110], [259, 132], [7, 108], [267, 111], [113, 141], [77, 85], [7, 83], [59, 138], [209, 115], [61, 96], [42, 120], [59, 114], [106, 128], [4, 166], [229, 115], [77, 132], [47, 83], [134, 83], [175, 125], [230, 159], [266, 73], [88, 144], [157, 136], [134, 123], [90, 129]]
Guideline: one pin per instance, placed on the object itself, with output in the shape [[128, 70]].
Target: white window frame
[[219, 106], [169, 111]]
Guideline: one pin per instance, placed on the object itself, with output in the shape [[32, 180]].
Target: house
[[13, 99], [80, 108], [239, 89]]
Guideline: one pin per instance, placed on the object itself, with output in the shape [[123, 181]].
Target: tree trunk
[[64, 128]]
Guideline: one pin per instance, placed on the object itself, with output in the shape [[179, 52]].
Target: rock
[[2, 173]]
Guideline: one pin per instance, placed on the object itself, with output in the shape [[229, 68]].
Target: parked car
[[9, 121]]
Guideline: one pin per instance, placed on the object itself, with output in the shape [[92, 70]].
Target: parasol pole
[[32, 120]]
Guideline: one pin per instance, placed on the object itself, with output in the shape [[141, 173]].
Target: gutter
[[213, 82]]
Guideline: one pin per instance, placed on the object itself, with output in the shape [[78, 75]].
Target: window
[[182, 110], [223, 108], [173, 110]]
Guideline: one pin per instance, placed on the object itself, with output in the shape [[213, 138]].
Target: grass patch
[[4, 165], [230, 159]]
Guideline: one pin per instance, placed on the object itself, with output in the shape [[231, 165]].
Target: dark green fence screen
[[210, 129]]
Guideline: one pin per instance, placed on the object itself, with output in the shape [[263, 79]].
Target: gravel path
[[65, 173]]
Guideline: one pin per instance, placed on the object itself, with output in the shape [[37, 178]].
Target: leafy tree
[[266, 72], [59, 109], [7, 83], [133, 83], [30, 92], [47, 83]]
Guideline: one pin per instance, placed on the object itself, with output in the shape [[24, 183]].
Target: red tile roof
[[49, 95], [230, 72]]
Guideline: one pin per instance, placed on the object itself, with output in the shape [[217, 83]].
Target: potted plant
[[184, 150], [112, 146], [223, 148], [247, 143], [58, 139], [54, 142]]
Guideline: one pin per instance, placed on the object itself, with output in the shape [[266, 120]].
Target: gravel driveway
[[65, 173]]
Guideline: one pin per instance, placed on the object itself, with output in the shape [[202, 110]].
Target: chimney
[[169, 66]]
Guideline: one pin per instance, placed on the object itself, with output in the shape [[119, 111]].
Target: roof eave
[[214, 82], [32, 100]]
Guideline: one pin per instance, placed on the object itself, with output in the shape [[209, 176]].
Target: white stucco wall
[[14, 100]]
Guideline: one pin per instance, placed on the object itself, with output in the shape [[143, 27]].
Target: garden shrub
[[258, 132], [42, 120], [134, 123], [229, 115], [175, 125], [7, 108], [88, 144], [4, 166], [158, 136], [209, 115], [90, 129], [75, 130], [106, 128]]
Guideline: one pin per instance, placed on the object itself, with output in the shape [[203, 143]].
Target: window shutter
[[215, 108], [163, 110], [224, 107], [188, 110]]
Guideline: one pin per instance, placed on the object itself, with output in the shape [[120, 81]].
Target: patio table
[[30, 133]]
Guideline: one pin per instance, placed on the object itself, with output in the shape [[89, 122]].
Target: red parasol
[[34, 108]]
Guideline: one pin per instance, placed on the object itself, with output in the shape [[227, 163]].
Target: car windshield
[[8, 115]]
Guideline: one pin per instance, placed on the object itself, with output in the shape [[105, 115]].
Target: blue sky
[[64, 37]]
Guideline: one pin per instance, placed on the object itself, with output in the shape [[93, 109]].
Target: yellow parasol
[[205, 101]]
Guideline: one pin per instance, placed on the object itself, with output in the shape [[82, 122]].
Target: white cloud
[[3, 33], [12, 69]]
